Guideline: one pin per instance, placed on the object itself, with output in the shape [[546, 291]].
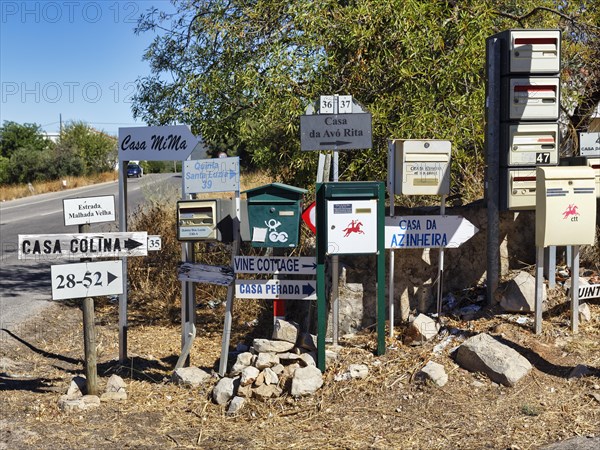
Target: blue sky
[[78, 59]]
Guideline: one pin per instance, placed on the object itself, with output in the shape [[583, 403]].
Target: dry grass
[[12, 192]]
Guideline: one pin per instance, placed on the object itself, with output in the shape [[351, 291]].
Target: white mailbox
[[594, 163], [518, 189], [420, 166], [566, 206], [197, 220], [529, 144], [533, 98], [531, 51], [351, 226]]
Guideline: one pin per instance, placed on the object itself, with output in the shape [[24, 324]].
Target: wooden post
[[89, 336]]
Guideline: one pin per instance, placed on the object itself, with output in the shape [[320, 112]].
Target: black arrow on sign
[[130, 244], [307, 289], [312, 266], [110, 277], [336, 143]]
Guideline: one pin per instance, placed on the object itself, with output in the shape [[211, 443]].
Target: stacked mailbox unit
[[529, 112]]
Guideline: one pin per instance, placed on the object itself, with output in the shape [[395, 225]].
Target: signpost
[[83, 245], [335, 131], [276, 289], [211, 175], [88, 279], [79, 211], [427, 231], [159, 143], [296, 265]]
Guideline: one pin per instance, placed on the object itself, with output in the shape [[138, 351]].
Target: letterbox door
[[351, 226]]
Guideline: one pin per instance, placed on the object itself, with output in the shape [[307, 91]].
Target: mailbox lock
[[272, 210], [426, 144], [570, 182], [333, 227]]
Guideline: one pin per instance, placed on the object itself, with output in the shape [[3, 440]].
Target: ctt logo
[[353, 227], [571, 212]]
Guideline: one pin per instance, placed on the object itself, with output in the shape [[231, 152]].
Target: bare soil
[[388, 409]]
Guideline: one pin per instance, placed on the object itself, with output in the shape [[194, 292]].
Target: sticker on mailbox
[[342, 208]]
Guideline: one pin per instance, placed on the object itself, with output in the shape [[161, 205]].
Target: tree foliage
[[96, 150], [242, 72]]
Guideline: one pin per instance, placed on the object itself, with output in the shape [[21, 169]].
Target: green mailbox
[[274, 215]]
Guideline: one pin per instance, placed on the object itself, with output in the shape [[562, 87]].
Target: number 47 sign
[[89, 279]]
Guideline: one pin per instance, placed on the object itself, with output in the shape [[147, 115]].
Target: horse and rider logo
[[571, 212], [353, 227]]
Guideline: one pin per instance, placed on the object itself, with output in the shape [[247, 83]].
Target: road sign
[[298, 265], [335, 131], [89, 279], [80, 211], [276, 289], [159, 143], [587, 291], [204, 273], [83, 245], [211, 175], [589, 144], [309, 217], [427, 231]]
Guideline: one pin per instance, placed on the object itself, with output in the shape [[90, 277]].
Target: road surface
[[25, 288]]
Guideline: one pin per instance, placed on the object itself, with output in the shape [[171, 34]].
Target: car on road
[[134, 170]]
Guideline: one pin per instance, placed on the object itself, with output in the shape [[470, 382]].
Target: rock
[[264, 360], [331, 356], [113, 396], [270, 376], [78, 386], [223, 391], [289, 370], [585, 315], [260, 379], [278, 369], [244, 391], [115, 384], [309, 359], [242, 360], [266, 391], [307, 341], [519, 294], [579, 371], [249, 375], [91, 401], [267, 346], [306, 381], [288, 356], [70, 404], [502, 364], [285, 331], [575, 443], [190, 376], [434, 372], [235, 406], [422, 328], [358, 371]]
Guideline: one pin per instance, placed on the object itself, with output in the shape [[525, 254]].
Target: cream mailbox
[[532, 98], [518, 188], [594, 163], [421, 166], [531, 51], [529, 144], [566, 206], [199, 220]]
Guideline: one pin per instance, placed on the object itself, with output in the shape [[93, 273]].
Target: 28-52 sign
[[89, 279]]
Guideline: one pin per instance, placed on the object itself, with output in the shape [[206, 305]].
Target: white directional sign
[[300, 265], [159, 143], [83, 245], [80, 211], [89, 279], [587, 291], [589, 144], [335, 131], [211, 175], [276, 289], [427, 231]]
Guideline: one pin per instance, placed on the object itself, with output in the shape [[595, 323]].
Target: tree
[[241, 73], [96, 150], [14, 136]]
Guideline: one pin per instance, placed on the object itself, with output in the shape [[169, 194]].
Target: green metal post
[[321, 299]]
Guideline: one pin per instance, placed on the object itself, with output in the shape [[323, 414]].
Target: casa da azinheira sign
[[159, 143]]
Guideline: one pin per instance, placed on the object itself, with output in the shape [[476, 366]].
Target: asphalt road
[[25, 285]]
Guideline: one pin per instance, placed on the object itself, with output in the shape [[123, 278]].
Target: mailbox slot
[[421, 166], [273, 212], [532, 51], [529, 144], [534, 98], [566, 206], [517, 189], [197, 220]]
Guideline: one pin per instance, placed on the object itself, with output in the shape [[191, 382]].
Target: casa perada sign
[[83, 245]]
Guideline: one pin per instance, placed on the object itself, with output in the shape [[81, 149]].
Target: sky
[[72, 59]]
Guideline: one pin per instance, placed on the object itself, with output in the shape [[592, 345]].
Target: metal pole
[[123, 296], [440, 285], [575, 289], [335, 260], [493, 166], [380, 270], [391, 193], [539, 285], [550, 265]]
